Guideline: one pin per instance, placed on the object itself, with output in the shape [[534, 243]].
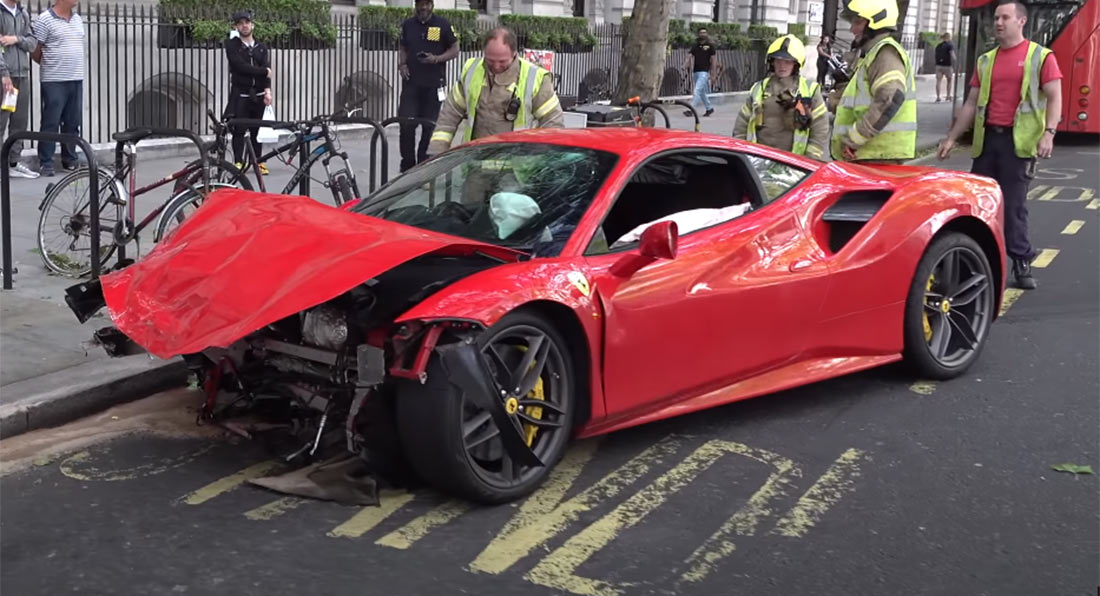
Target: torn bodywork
[[320, 384]]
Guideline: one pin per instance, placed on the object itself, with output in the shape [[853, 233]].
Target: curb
[[67, 395]]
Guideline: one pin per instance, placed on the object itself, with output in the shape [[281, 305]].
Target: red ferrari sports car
[[518, 291]]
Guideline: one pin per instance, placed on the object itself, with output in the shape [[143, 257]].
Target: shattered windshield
[[527, 196]]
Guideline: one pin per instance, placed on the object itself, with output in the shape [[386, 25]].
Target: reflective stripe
[[473, 79], [890, 77], [456, 95], [444, 136], [857, 138], [814, 151], [819, 111], [549, 106]]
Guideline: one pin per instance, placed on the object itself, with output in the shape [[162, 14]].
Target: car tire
[[436, 422], [943, 340]]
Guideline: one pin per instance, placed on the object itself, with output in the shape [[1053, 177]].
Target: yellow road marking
[[275, 508], [1045, 257], [407, 535], [1093, 204], [1034, 192], [229, 483], [1073, 227], [558, 570], [745, 521], [923, 387], [826, 492], [368, 517], [1050, 194], [77, 467], [1086, 194], [543, 515], [1010, 298]]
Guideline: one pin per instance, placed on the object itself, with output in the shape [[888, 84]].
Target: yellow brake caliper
[[924, 311], [530, 430], [538, 392]]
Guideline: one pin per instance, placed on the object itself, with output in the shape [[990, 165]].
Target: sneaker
[[71, 166], [937, 100], [47, 170], [709, 112], [263, 169], [21, 171], [1021, 270]]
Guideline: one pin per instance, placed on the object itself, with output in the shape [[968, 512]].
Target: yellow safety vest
[[473, 81], [1031, 115], [899, 139], [756, 97]]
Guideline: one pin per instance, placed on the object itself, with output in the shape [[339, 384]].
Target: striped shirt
[[63, 51]]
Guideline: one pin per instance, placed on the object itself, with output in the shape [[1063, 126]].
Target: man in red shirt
[[1016, 97]]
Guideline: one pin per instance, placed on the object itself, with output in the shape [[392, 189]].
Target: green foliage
[[931, 39], [798, 30], [763, 32], [381, 17], [274, 20], [561, 34]]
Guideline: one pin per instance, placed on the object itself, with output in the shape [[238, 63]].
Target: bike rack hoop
[[5, 195]]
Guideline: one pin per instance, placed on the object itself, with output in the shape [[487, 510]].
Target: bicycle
[[117, 189], [341, 183]]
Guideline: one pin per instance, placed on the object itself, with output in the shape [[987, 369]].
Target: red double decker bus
[[1071, 28]]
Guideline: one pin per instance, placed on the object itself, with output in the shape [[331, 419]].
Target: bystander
[[16, 42], [427, 43], [60, 35], [945, 66], [249, 84]]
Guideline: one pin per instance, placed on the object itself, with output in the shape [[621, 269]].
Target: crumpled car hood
[[245, 260]]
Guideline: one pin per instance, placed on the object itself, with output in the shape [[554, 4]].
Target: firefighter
[[876, 117], [785, 110], [497, 93]]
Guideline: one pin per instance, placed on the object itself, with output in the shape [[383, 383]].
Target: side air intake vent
[[849, 214]]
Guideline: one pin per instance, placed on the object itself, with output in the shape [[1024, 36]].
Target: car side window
[[775, 176], [697, 190]]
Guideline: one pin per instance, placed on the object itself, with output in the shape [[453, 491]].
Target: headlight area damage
[[297, 345], [320, 384]]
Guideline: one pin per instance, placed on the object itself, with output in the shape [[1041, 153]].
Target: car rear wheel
[[949, 308], [455, 444]]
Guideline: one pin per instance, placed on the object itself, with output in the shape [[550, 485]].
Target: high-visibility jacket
[[898, 139], [806, 88], [472, 80], [1031, 115]]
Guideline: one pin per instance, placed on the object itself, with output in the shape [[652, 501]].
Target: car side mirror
[[660, 240]]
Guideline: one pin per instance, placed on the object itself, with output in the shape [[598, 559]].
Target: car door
[[735, 301]]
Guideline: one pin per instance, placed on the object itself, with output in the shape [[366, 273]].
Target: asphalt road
[[869, 484]]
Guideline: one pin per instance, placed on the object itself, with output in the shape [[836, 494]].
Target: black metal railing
[[148, 68]]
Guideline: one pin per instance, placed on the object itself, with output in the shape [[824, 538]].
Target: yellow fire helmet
[[882, 14], [788, 47]]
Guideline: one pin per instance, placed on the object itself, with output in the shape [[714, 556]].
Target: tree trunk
[[643, 61]]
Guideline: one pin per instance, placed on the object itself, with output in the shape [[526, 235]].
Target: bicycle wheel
[[64, 226], [180, 207], [221, 171]]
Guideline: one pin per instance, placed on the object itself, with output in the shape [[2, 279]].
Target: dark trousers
[[62, 111], [417, 101], [245, 107], [999, 161], [13, 122], [822, 69]]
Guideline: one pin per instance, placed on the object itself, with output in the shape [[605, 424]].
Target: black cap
[[241, 15]]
